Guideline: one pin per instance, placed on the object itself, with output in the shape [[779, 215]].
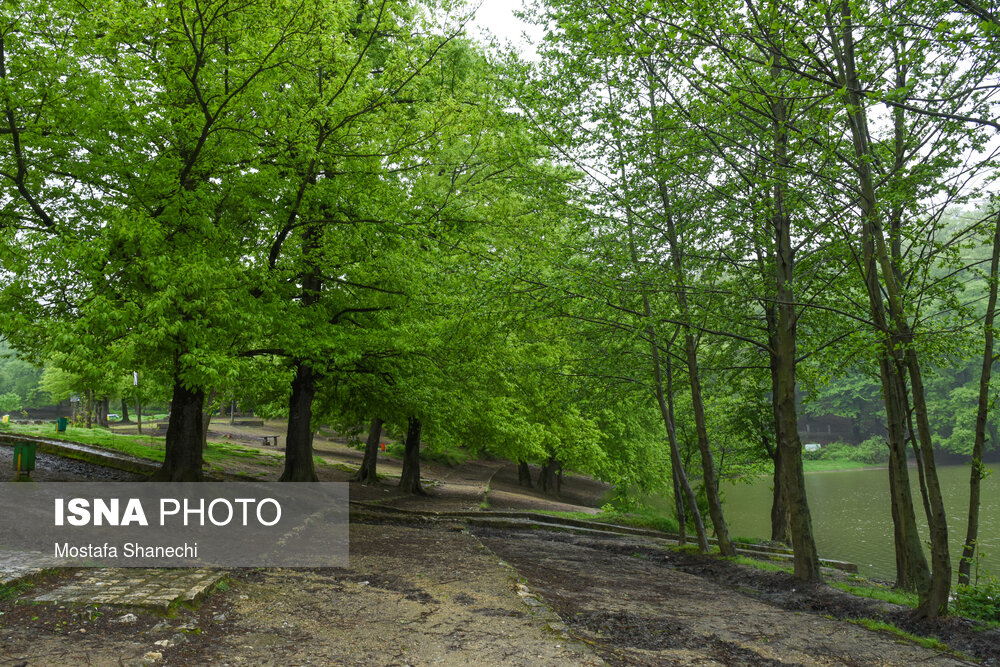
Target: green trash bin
[[61, 424], [24, 458]]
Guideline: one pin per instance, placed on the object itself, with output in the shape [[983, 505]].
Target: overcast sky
[[497, 16]]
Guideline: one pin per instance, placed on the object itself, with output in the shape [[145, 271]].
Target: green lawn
[[141, 446]]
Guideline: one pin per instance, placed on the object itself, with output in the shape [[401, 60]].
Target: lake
[[852, 521]]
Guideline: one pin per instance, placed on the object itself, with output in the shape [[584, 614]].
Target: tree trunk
[[779, 508], [697, 403], [409, 481], [103, 408], [897, 340], [523, 474], [138, 417], [207, 419], [125, 419], [368, 474], [89, 415], [937, 604], [548, 481], [708, 465], [666, 405], [982, 413], [182, 462], [299, 465]]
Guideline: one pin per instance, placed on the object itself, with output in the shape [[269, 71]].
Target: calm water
[[852, 520]]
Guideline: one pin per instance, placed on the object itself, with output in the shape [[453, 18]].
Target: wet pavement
[[52, 468]]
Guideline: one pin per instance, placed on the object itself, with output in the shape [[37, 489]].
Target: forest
[[643, 254]]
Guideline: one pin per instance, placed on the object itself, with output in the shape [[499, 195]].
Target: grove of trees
[[638, 255]]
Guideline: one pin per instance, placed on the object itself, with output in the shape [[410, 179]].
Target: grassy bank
[[837, 464], [141, 446]]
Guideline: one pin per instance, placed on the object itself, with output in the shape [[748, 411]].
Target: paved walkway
[[157, 589]]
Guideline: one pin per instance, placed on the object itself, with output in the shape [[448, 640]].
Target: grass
[[877, 593], [143, 446], [759, 564], [645, 518], [882, 626]]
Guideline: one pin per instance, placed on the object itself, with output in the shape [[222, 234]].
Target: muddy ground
[[441, 594], [431, 593]]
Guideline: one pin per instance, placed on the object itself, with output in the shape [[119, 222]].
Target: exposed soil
[[430, 592], [638, 603], [439, 594]]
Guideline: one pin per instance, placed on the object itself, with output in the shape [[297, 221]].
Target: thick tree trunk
[[409, 481], [103, 408], [299, 465], [182, 461], [523, 474], [548, 480], [125, 419], [982, 413], [367, 473]]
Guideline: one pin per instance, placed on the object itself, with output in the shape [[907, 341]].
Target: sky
[[497, 17]]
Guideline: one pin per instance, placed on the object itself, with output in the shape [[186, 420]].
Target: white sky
[[497, 17]]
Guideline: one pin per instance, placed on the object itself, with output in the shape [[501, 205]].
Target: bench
[[268, 439]]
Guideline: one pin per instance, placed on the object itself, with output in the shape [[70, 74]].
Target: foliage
[[980, 600], [10, 402], [872, 451]]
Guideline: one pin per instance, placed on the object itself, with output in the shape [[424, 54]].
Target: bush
[[981, 601], [873, 451], [10, 402]]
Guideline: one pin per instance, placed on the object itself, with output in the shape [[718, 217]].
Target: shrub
[[873, 451], [981, 601], [10, 402]]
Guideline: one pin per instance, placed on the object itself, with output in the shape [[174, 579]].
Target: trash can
[[24, 457], [61, 424]]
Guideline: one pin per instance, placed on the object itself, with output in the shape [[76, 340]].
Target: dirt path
[[442, 595], [636, 606], [437, 593]]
